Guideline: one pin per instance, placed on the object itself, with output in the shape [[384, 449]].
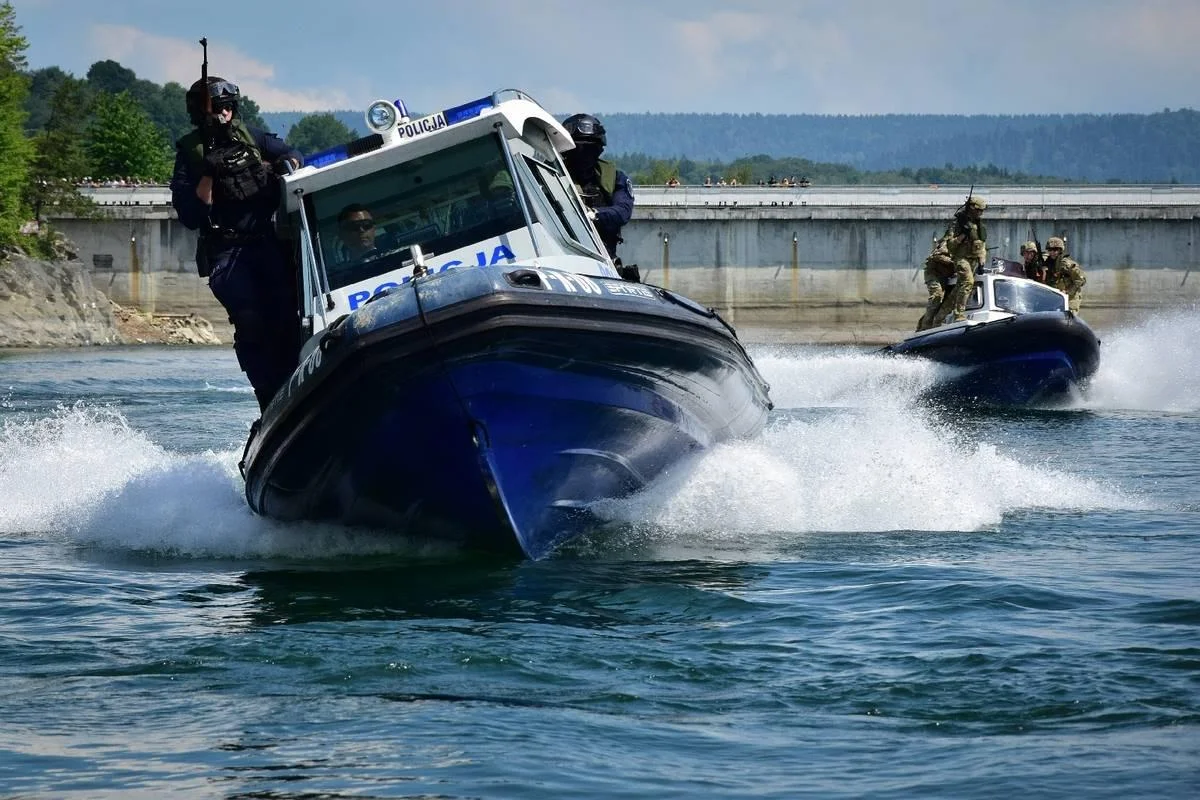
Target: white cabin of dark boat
[[1020, 345]]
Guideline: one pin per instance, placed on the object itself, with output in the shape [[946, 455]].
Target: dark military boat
[[1019, 346], [516, 380]]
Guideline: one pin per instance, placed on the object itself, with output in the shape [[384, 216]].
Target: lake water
[[871, 599]]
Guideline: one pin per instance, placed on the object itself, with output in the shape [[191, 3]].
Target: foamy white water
[[848, 450]]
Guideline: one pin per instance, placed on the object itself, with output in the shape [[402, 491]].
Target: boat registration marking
[[419, 127], [627, 289]]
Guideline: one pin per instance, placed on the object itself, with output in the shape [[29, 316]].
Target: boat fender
[[335, 333], [526, 278]]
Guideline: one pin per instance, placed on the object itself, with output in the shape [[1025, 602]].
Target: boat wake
[[848, 449], [1154, 366], [84, 477]]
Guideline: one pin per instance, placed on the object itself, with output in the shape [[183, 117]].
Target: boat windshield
[[1022, 297], [442, 202]]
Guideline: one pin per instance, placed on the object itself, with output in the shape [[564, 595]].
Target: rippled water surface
[[870, 599]]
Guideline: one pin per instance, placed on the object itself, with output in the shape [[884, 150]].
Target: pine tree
[[122, 141], [15, 150], [60, 159]]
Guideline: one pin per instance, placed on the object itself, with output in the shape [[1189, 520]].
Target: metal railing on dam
[[946, 197], [773, 252]]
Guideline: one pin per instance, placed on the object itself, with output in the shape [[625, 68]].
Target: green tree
[[317, 132], [122, 141], [43, 83], [250, 113], [60, 159], [14, 147], [109, 76]]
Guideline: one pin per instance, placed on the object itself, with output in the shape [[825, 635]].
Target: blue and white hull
[[491, 407]]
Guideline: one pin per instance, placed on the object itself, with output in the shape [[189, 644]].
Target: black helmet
[[222, 92], [585, 129]]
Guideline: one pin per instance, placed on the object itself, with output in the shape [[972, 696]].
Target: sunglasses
[[358, 225]]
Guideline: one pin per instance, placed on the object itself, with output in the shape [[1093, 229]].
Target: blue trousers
[[255, 285]]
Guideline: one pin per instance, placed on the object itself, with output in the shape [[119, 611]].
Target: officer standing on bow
[[226, 186], [605, 190]]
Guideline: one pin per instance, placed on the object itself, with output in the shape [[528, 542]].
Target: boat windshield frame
[[442, 201], [1022, 296], [553, 200]]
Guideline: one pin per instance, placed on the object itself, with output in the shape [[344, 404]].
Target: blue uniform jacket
[[247, 218], [610, 219]]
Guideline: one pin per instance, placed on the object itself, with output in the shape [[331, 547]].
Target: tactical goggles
[[216, 90], [586, 127]]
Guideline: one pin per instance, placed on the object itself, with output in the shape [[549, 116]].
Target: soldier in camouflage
[[1035, 269], [939, 268], [965, 248], [1063, 273]]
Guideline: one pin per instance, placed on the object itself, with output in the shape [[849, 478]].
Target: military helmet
[[222, 92], [1029, 247], [977, 202], [585, 129], [1055, 242]]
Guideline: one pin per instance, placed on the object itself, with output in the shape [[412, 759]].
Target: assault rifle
[[1040, 272], [203, 268], [206, 127]]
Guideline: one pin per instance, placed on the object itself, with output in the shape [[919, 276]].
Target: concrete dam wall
[[812, 258]]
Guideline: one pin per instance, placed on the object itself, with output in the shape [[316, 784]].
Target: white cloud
[[163, 58]]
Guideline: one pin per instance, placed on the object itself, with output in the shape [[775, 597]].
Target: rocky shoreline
[[56, 304]]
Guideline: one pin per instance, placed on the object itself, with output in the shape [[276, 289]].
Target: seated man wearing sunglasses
[[225, 186], [356, 231]]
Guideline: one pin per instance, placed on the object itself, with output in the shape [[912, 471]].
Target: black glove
[[283, 165]]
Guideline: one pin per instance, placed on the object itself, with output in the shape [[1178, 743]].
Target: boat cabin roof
[[509, 112]]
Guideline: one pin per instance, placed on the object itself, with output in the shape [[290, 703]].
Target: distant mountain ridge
[[1163, 147]]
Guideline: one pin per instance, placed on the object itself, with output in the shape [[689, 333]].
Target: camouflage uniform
[[939, 267], [1065, 274], [1035, 268], [968, 248]]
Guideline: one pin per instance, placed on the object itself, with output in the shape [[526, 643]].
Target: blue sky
[[743, 56]]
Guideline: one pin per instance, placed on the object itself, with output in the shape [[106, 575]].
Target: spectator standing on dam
[[224, 187], [1063, 272], [606, 190]]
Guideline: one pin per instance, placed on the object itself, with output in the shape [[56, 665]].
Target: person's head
[[590, 140], [1055, 246], [224, 100], [356, 229], [1029, 251], [975, 206]]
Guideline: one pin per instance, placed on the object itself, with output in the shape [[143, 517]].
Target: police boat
[[475, 370], [1020, 346]]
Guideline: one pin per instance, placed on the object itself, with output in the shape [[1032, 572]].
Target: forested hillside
[[1131, 148]]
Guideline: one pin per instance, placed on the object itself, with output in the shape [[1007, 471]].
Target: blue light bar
[[326, 157], [467, 110]]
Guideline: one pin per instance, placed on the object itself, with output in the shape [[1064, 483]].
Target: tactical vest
[[1061, 274], [598, 192], [240, 171]]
